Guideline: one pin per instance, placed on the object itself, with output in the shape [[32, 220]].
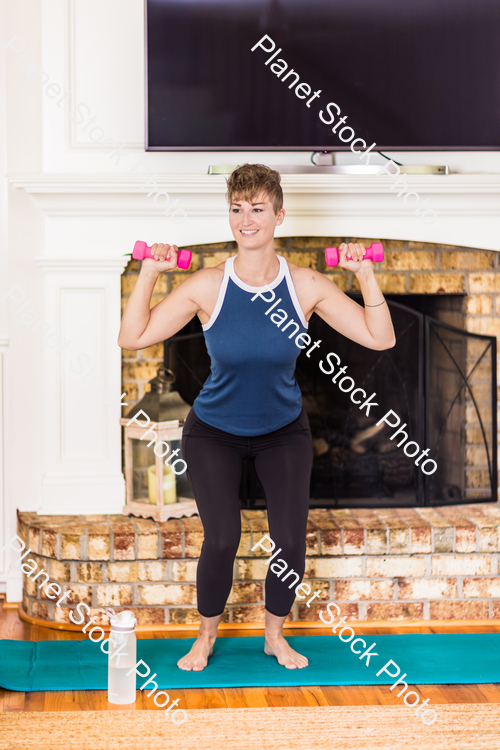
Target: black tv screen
[[405, 74]]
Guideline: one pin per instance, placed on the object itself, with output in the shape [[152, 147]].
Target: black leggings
[[283, 462]]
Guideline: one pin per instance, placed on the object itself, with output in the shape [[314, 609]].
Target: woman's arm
[[370, 326], [141, 326]]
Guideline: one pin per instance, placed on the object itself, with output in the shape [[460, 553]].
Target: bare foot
[[197, 658], [286, 656]]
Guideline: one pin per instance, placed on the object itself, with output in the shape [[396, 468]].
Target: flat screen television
[[406, 74]]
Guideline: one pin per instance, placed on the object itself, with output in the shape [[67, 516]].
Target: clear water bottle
[[122, 657]]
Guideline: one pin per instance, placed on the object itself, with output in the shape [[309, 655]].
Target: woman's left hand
[[356, 261]]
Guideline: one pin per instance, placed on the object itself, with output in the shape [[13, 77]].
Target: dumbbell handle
[[375, 252], [141, 251]]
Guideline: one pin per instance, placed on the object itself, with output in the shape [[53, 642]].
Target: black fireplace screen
[[437, 386]]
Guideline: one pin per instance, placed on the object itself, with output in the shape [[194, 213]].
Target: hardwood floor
[[11, 627]]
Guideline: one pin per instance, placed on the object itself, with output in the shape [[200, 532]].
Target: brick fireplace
[[456, 285], [381, 564]]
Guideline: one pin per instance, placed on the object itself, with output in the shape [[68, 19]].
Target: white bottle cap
[[123, 622]]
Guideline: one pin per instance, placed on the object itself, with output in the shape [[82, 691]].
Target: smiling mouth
[[248, 232]]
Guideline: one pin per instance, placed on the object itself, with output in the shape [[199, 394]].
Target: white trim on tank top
[[229, 272], [220, 296]]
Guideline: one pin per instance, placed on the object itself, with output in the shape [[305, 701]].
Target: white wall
[[95, 48], [68, 212], [4, 341]]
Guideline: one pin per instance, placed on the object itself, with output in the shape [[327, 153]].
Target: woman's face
[[253, 222]]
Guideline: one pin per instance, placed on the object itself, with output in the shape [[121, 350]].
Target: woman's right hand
[[165, 258]]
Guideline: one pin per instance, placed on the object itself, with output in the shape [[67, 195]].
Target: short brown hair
[[249, 180]]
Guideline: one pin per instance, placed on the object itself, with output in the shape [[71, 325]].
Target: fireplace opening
[[440, 381], [447, 308]]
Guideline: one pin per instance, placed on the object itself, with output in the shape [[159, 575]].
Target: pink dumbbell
[[141, 251], [375, 252]]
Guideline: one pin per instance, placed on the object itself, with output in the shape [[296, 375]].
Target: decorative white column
[[82, 379]]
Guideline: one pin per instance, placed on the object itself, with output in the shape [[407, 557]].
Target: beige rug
[[462, 726]]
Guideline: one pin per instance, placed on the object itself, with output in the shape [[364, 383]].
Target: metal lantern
[[155, 489], [160, 403]]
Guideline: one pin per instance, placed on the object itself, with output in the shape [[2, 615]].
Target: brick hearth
[[401, 564]]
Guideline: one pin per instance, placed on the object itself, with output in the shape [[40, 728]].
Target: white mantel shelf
[[467, 205], [205, 183]]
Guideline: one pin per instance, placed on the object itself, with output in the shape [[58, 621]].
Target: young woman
[[250, 404]]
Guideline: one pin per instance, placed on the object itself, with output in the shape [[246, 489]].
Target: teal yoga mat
[[241, 662]]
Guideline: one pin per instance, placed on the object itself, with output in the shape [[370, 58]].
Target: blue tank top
[[251, 389]]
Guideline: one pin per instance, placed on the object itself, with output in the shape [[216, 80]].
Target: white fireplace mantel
[[467, 207]]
